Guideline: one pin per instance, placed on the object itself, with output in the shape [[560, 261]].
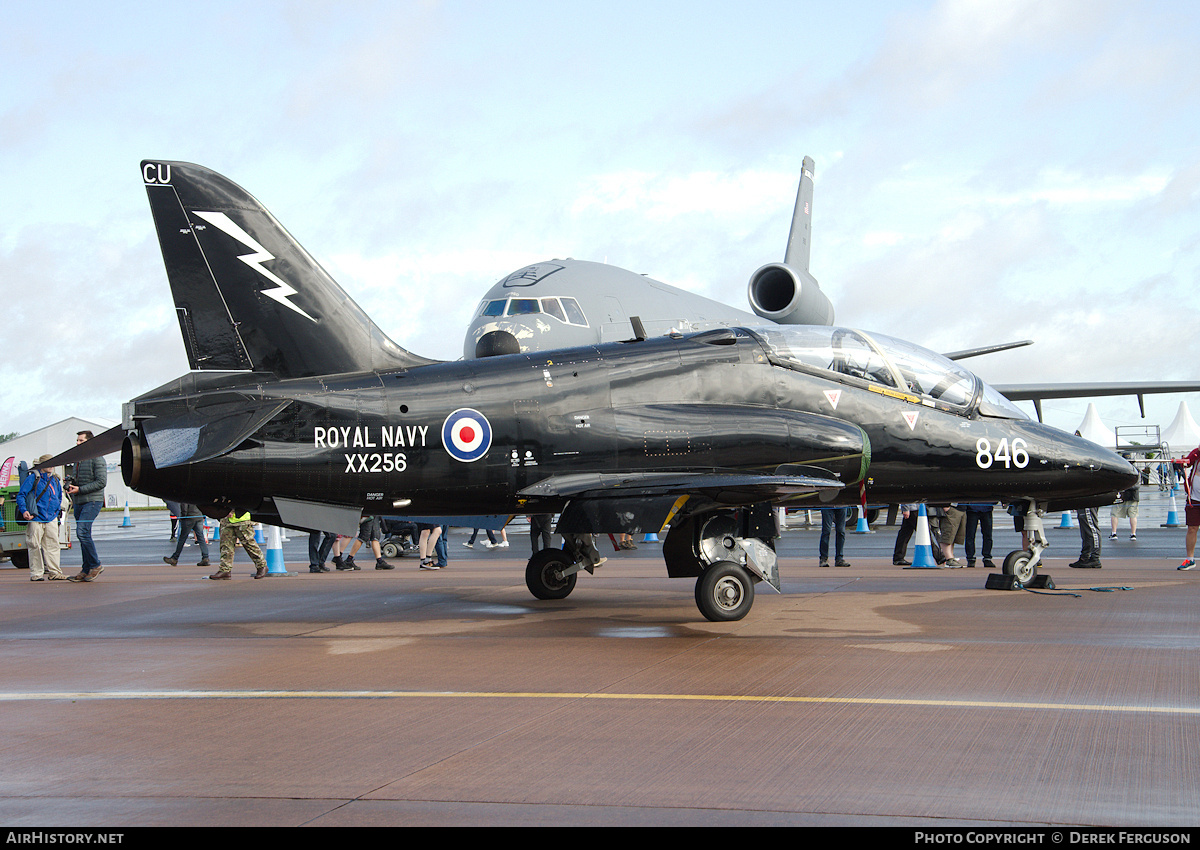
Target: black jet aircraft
[[302, 411]]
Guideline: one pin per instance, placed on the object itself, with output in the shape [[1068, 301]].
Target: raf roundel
[[466, 434]]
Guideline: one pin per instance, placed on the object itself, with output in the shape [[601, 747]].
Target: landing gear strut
[[1023, 563], [727, 552], [552, 573]]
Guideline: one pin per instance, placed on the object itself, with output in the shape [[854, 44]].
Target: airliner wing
[[1037, 392]]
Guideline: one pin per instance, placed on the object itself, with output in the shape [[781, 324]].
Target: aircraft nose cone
[[1107, 470], [1081, 469], [1110, 466]]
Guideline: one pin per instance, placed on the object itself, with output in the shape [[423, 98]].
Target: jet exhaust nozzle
[[131, 462], [788, 296], [140, 473]]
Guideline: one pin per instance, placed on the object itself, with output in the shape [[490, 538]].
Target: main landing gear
[[725, 592], [551, 574], [728, 553], [1023, 563]]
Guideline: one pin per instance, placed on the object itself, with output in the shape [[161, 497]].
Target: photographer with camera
[[86, 490]]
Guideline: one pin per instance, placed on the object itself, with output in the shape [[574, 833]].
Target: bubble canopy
[[853, 356]]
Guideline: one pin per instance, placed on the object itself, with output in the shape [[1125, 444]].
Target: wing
[[732, 488], [639, 502], [106, 443], [1037, 392], [986, 349]]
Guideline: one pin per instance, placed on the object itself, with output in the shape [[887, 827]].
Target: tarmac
[[866, 696]]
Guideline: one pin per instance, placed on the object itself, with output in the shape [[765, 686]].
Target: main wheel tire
[[1020, 564], [390, 550], [19, 558], [724, 592], [540, 575]]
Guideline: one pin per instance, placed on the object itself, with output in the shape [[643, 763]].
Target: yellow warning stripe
[[754, 698], [675, 508], [894, 394]]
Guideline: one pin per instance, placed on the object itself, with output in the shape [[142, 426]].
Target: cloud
[[660, 197], [928, 60], [89, 324]]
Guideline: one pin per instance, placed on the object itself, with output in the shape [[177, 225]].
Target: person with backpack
[[39, 502]]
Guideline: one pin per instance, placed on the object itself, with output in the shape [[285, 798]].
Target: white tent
[[1093, 429], [1183, 434]]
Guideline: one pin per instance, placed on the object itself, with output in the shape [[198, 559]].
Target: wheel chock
[[1002, 581]]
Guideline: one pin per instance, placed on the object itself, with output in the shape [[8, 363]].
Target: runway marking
[[883, 701]]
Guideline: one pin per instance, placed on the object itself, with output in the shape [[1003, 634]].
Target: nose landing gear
[[1023, 563]]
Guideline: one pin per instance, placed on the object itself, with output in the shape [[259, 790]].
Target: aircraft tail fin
[[247, 295], [799, 247], [787, 292]]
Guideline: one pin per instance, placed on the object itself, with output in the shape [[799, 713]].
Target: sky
[[986, 170]]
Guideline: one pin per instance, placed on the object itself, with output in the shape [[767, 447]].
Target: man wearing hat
[[38, 502]]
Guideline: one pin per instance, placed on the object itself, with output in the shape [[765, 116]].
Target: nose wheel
[[1020, 564]]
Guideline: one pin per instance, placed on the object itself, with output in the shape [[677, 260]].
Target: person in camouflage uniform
[[237, 528]]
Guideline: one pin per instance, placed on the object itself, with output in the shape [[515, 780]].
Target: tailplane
[[247, 295]]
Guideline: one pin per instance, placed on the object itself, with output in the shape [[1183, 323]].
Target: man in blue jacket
[[38, 502]]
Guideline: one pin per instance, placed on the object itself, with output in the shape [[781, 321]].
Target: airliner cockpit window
[[553, 308], [574, 312], [493, 308], [523, 306]]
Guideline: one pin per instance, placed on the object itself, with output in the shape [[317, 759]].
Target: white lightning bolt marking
[[254, 261]]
